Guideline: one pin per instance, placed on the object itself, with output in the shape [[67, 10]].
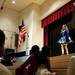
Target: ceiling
[[20, 4]]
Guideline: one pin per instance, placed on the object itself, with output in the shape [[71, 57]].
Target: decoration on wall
[[9, 39], [22, 34]]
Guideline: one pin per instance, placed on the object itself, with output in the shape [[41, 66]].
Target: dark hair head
[[35, 50], [2, 41], [2, 38], [44, 54], [45, 51]]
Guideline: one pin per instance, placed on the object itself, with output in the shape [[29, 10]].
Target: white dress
[[42, 70]]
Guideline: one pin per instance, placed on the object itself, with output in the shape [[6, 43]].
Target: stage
[[60, 64]]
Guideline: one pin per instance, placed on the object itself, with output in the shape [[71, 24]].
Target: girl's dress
[[64, 37]]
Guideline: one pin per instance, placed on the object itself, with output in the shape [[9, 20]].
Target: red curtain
[[65, 10], [46, 36]]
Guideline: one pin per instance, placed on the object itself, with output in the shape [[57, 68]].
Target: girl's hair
[[44, 54], [66, 27]]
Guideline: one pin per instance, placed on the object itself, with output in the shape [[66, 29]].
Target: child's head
[[2, 41], [64, 27]]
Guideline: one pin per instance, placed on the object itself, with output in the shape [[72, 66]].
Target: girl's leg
[[66, 48], [62, 48]]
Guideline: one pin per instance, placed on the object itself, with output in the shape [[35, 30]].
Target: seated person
[[3, 69], [30, 66], [44, 68]]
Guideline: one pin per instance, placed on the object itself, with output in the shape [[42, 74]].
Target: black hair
[[34, 50], [2, 41], [2, 38], [45, 53]]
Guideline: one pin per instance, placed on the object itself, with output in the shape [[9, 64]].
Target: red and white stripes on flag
[[22, 34]]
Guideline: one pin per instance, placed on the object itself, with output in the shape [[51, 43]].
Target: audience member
[[31, 64], [44, 66], [3, 69]]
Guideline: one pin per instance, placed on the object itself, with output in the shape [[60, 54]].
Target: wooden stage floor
[[60, 64]]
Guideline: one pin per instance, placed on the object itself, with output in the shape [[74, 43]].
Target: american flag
[[22, 33]]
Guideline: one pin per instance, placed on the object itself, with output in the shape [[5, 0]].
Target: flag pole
[[27, 48]]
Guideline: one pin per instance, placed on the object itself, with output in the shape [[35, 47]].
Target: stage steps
[[59, 64]]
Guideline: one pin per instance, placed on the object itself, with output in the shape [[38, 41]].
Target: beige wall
[[37, 37], [9, 21], [31, 16], [27, 16], [49, 6]]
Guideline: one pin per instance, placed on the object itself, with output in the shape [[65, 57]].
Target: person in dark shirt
[[44, 64], [43, 58], [29, 67]]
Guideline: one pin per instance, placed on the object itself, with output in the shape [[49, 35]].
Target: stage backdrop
[[52, 25]]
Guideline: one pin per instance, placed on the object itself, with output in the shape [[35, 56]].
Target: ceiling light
[[13, 2]]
